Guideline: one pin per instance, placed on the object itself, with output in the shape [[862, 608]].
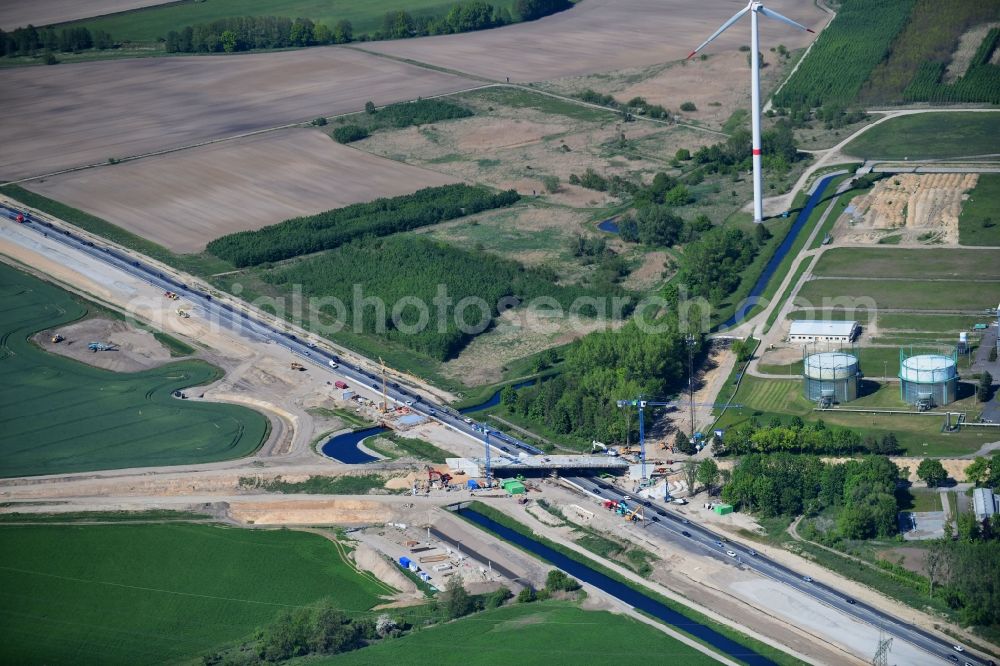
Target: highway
[[671, 526], [666, 524]]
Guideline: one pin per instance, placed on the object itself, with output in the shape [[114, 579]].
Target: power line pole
[[882, 653], [690, 347]]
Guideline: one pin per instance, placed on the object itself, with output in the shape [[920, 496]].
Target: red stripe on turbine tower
[[756, 151]]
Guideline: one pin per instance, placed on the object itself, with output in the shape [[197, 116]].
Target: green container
[[723, 509]]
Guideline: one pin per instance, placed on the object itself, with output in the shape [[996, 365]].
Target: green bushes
[[845, 53], [304, 235], [411, 269], [349, 133]]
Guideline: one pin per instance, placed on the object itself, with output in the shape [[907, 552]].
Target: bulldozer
[[56, 338], [298, 366]]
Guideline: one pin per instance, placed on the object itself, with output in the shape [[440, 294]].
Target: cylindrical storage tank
[[931, 377], [831, 375]]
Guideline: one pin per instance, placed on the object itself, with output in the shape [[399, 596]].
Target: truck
[[298, 366], [340, 384]]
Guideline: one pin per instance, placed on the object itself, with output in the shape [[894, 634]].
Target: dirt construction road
[[128, 107]]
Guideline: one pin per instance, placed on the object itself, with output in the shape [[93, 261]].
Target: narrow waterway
[[344, 447], [620, 591], [783, 249]]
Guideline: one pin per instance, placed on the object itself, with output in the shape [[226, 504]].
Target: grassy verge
[[399, 446], [791, 288], [761, 648], [347, 416], [361, 484], [929, 136], [979, 222], [152, 515]]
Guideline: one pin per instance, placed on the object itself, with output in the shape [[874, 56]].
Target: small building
[[723, 509], [821, 330], [514, 487], [984, 503]]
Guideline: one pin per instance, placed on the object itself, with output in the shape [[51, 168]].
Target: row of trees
[[734, 155], [28, 41], [408, 289], [782, 484], [381, 217], [401, 114], [637, 105], [799, 437], [245, 33], [600, 369]]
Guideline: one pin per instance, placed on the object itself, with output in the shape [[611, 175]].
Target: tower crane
[[642, 404], [385, 399]]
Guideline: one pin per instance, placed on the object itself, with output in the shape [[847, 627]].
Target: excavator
[[636, 515], [433, 474]]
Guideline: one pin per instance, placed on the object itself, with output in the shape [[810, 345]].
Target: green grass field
[[979, 223], [929, 136], [545, 633], [916, 295], [918, 499], [137, 594], [153, 23], [59, 415], [898, 262], [932, 323]]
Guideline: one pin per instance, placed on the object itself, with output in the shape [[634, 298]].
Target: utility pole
[[690, 346], [881, 657]]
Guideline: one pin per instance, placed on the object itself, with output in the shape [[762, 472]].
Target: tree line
[[862, 492], [800, 437], [245, 33], [28, 41], [381, 217], [599, 370], [405, 267]]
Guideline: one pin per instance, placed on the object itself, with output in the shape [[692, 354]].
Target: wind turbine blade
[[721, 30], [775, 15]]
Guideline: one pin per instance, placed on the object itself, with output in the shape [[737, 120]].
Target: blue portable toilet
[[472, 484], [404, 562]]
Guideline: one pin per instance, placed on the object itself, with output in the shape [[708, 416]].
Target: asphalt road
[[662, 522], [669, 525]]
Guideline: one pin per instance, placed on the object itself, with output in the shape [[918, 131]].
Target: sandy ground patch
[[922, 208], [183, 200], [17, 13], [137, 349], [598, 36], [912, 558], [967, 45], [310, 512], [650, 273], [516, 335], [85, 113], [371, 560]]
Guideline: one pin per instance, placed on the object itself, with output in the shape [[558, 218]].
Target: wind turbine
[[754, 7]]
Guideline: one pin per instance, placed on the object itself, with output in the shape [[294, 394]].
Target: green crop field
[[138, 594], [902, 294], [931, 323], [153, 23], [540, 633], [979, 223], [930, 136], [904, 263], [59, 415], [845, 53]]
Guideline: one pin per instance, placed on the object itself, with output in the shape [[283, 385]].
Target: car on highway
[[719, 544], [409, 403], [374, 385], [752, 553], [686, 533], [467, 420], [850, 601], [685, 521], [628, 498], [432, 412], [807, 579], [958, 648], [953, 658], [331, 364], [312, 345], [731, 553]]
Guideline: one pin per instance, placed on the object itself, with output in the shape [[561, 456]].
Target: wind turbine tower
[[754, 8]]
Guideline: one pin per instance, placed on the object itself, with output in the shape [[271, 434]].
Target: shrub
[[319, 122], [551, 183], [349, 133], [688, 106]]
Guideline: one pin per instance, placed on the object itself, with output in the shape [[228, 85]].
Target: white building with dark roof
[[821, 330], [984, 503]]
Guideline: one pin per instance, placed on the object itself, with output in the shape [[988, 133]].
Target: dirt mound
[[310, 512], [368, 559], [134, 349]]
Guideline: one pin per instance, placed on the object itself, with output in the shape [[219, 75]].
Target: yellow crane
[[635, 515]]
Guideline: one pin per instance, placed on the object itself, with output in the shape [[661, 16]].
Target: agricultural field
[[188, 100], [845, 53], [540, 633], [589, 38], [133, 594], [18, 13], [185, 199], [906, 294], [928, 39], [932, 135], [60, 415], [907, 263], [979, 223], [366, 16]]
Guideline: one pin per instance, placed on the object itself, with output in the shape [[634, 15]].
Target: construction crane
[[385, 398], [642, 404], [636, 515]]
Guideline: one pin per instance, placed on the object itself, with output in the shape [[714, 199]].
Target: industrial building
[[820, 330], [928, 380], [830, 377], [984, 503]]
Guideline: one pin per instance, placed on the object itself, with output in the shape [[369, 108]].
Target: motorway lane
[[670, 525], [247, 324]]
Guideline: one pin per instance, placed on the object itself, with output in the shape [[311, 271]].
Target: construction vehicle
[[340, 384], [622, 508], [433, 474], [183, 314], [609, 505], [57, 338], [635, 515], [171, 295], [102, 346], [298, 366]]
